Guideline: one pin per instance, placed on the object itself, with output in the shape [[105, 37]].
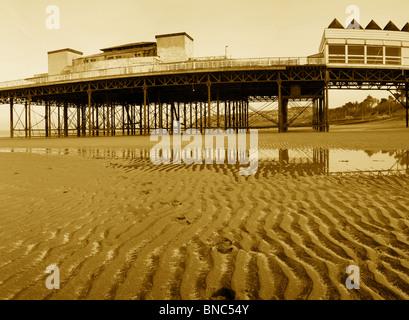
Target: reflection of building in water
[[310, 161]]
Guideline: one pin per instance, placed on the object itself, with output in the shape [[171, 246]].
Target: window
[[393, 55], [374, 55], [336, 54], [337, 49], [356, 54]]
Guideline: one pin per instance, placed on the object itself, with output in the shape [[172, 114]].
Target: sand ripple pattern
[[126, 229]]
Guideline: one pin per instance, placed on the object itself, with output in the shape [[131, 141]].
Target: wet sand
[[128, 229]]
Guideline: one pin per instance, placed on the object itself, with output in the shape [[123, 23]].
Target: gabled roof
[[391, 27], [335, 24], [406, 27], [373, 26], [354, 25]]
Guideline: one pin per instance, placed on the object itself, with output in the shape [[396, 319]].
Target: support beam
[[145, 88], [11, 118], [326, 112], [218, 110], [89, 92], [78, 120], [209, 101], [29, 116], [225, 115], [65, 115], [26, 119], [280, 107], [407, 104], [46, 121], [285, 115]]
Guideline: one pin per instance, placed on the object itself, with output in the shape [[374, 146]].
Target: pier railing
[[157, 68]]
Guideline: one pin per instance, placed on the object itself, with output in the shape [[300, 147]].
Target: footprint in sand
[[183, 219], [224, 245]]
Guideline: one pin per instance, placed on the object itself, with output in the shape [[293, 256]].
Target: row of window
[[356, 54]]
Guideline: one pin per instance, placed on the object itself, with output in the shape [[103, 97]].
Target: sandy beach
[[120, 227]]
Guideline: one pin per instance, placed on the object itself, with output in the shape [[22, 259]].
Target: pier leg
[[320, 115], [155, 117], [29, 117], [225, 115], [280, 108], [184, 116], [11, 118], [46, 121], [407, 104], [123, 120], [78, 120], [89, 113], [49, 120], [65, 115], [218, 110], [191, 116], [145, 88], [141, 130], [326, 112], [196, 114], [284, 115], [247, 115], [209, 102]]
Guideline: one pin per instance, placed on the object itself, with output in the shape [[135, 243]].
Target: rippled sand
[[127, 229]]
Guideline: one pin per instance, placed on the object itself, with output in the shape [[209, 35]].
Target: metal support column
[[145, 88], [29, 116], [407, 104], [225, 115], [78, 120], [209, 101], [25, 119], [65, 115], [89, 112], [280, 106], [218, 110], [11, 118], [46, 121], [326, 111], [284, 116]]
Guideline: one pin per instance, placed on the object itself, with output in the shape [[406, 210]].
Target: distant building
[[356, 46], [168, 48]]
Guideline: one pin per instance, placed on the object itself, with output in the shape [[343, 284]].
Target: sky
[[250, 29]]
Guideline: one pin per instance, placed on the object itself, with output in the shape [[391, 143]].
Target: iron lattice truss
[[138, 104], [367, 79]]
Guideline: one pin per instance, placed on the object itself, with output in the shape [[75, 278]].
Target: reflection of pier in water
[[301, 161]]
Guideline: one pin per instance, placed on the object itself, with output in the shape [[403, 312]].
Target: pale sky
[[257, 28]]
